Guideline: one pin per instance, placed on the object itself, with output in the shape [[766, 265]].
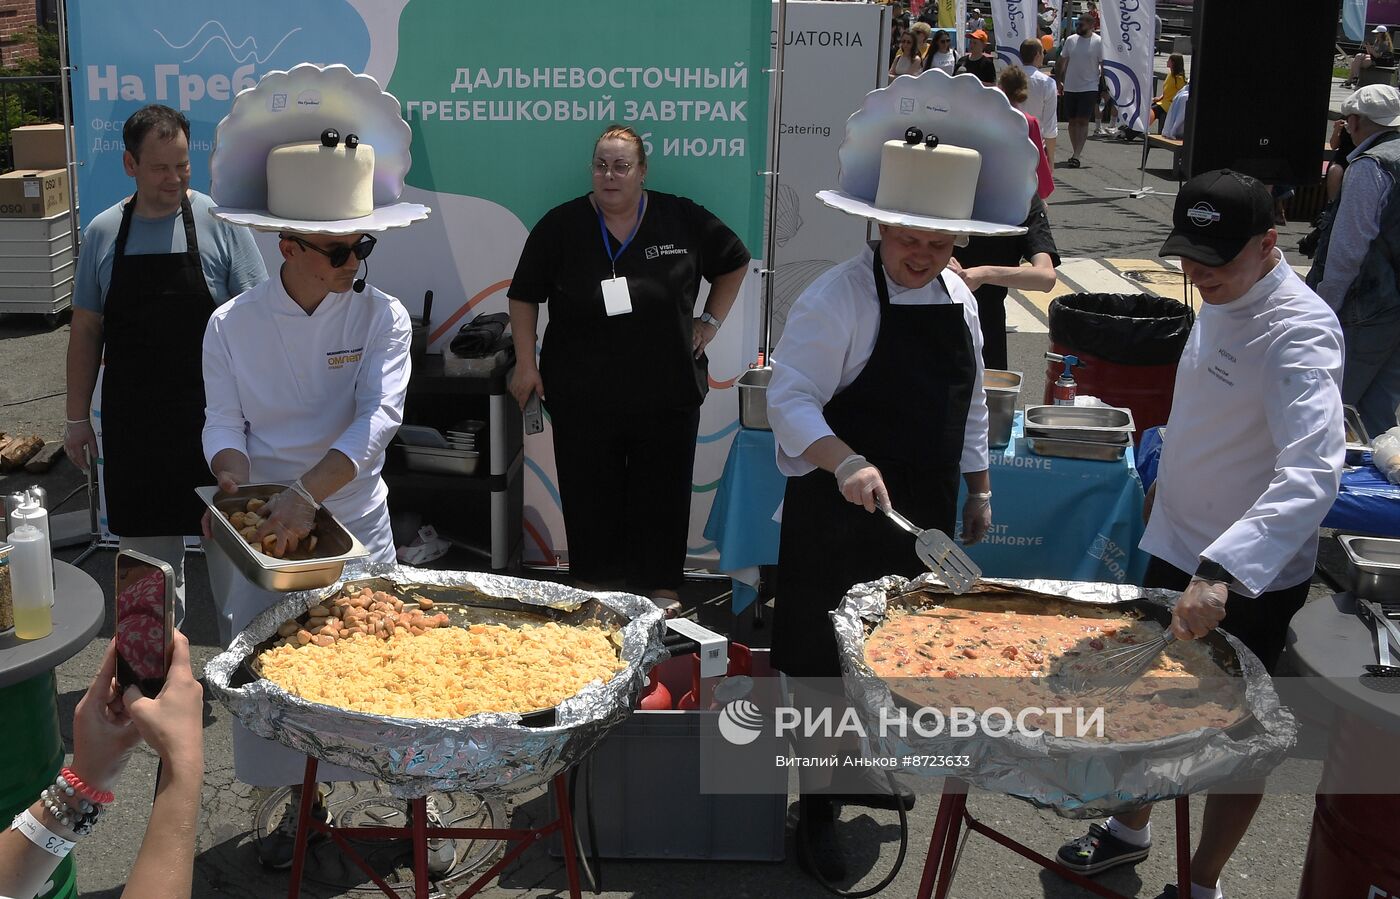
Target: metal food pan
[[442, 461], [1001, 379], [1080, 422], [465, 607], [1092, 450], [334, 547], [1375, 566]]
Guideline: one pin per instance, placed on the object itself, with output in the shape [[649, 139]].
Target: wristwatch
[[708, 319], [1210, 570]]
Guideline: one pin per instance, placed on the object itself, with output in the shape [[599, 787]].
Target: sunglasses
[[340, 255]]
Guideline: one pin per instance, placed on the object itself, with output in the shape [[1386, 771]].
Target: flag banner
[[1128, 34], [1013, 21]]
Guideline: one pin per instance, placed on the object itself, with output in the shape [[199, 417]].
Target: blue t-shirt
[[230, 258]]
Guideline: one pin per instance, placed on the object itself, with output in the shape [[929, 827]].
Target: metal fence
[[26, 100]]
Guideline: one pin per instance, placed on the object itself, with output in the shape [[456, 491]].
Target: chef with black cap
[[1251, 461]]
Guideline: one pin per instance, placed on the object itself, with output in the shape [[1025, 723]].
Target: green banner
[[507, 109]]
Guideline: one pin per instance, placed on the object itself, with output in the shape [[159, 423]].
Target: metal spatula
[[942, 556]]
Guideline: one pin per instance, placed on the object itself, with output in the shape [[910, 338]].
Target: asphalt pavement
[[1090, 220]]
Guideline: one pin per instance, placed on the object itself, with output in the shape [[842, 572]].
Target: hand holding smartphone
[[534, 416], [145, 590]]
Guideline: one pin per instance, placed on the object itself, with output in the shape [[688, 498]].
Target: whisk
[[1110, 672]]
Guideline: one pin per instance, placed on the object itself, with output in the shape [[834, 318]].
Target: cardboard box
[[39, 147], [33, 194]]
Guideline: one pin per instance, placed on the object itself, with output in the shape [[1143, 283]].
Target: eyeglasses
[[341, 254], [619, 169]]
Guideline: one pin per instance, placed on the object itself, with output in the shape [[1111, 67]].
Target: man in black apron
[[910, 418], [141, 304]]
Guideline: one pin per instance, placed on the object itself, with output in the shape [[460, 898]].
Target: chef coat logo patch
[[666, 249], [338, 359], [1202, 214]]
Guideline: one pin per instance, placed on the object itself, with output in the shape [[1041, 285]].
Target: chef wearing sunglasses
[[306, 374]]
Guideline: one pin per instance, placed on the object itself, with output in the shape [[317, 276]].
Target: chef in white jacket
[[305, 377], [877, 400], [1251, 461]]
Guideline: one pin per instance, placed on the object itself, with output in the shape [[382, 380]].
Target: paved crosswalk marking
[[1029, 311]]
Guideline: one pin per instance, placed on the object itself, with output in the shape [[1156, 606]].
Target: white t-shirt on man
[[1083, 59]]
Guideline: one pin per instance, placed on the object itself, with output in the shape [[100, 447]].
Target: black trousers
[[624, 482], [991, 316], [1260, 623]]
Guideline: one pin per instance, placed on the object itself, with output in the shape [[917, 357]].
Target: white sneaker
[[1097, 129], [442, 854]]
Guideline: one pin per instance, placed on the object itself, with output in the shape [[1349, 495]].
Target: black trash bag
[[1123, 328], [482, 336]]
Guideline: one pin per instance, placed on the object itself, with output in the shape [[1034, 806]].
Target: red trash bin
[[1129, 345]]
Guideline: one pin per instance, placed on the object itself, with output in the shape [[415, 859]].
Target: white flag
[[1013, 21], [1129, 33]]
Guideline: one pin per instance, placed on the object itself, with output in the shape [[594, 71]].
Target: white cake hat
[[301, 105], [961, 112]]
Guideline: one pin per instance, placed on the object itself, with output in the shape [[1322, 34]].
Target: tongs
[[1385, 632], [942, 556]]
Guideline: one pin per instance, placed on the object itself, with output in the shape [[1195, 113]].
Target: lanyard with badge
[[616, 299]]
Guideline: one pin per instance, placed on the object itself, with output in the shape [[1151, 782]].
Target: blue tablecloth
[[741, 521], [1366, 502], [1067, 519]]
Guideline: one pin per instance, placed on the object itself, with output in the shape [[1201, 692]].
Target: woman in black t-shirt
[[622, 368]]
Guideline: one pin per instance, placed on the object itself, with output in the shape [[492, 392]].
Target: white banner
[[1013, 21], [834, 56], [1129, 32]]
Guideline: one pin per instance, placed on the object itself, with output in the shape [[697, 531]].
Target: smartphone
[[145, 592], [534, 417]]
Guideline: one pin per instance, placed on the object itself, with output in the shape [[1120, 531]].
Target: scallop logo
[[740, 722]]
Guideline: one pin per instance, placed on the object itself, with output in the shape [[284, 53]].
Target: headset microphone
[[359, 285]]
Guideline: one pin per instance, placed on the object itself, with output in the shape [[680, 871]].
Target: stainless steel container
[[1003, 390], [442, 461], [1104, 424], [334, 547], [1358, 441], [1093, 450], [753, 398], [1375, 567]]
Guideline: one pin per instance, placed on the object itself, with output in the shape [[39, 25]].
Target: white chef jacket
[[283, 388], [1253, 450], [829, 336]]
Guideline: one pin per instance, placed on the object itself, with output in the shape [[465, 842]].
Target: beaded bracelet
[[79, 820], [75, 785]]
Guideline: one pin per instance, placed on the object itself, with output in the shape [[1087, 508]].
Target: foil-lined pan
[[494, 753], [1076, 778]]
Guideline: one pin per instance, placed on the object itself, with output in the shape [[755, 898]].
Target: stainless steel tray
[[1001, 379], [1092, 450], [1097, 423], [1375, 566], [753, 398], [1358, 441], [334, 544], [442, 461]]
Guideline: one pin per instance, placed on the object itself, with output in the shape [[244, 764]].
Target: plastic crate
[[645, 786]]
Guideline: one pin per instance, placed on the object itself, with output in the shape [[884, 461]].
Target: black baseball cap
[[1216, 214]]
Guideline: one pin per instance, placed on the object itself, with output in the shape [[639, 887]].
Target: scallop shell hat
[[327, 105], [960, 111]]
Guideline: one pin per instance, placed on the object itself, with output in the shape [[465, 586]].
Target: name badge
[[616, 299]]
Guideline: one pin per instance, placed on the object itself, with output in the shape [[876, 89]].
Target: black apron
[[153, 321], [906, 413]]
